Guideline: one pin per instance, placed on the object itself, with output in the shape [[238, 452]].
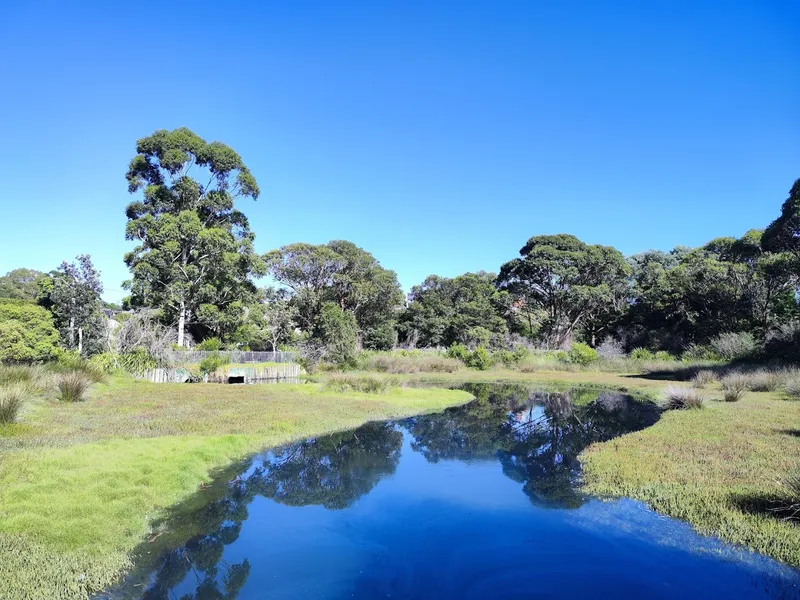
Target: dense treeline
[[194, 270]]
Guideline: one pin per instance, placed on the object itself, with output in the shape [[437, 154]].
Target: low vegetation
[[367, 384], [723, 469], [80, 482], [72, 386], [680, 397], [12, 398]]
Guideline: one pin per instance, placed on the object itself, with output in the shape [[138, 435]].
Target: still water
[[479, 501]]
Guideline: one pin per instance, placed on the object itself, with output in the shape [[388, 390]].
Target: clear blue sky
[[439, 136]]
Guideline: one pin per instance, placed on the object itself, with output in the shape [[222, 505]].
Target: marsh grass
[[366, 384], [422, 363], [72, 386], [81, 483], [734, 386], [680, 398], [12, 397], [695, 464], [703, 378]]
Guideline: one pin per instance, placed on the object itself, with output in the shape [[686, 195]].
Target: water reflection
[[532, 437]]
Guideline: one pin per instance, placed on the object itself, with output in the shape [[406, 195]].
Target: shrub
[[12, 397], [582, 354], [695, 353], [641, 354], [211, 363], [663, 355], [792, 385], [703, 378], [422, 363], [72, 361], [610, 348], [26, 332], [72, 386], [211, 344], [382, 337], [512, 358], [137, 361], [459, 352], [734, 386], [766, 381], [679, 398], [731, 346], [366, 384], [480, 359]]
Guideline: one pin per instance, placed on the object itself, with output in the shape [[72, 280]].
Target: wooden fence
[[235, 356], [285, 372]]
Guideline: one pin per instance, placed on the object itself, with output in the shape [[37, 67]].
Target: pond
[[479, 501]]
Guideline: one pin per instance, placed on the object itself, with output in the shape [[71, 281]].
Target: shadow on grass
[[775, 506], [679, 374], [789, 432]]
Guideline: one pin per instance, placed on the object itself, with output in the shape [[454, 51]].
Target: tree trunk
[[181, 323], [71, 332], [80, 340]]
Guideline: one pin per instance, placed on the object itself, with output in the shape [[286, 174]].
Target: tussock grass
[[698, 465], [734, 386], [679, 398], [81, 483], [791, 385], [12, 397], [72, 386], [703, 378]]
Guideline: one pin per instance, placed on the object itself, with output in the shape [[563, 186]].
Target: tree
[[342, 273], [466, 309], [22, 284], [26, 332], [76, 304], [273, 319], [338, 331], [195, 254], [783, 234], [572, 282]]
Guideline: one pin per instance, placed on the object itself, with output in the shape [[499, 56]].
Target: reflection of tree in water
[[537, 436], [333, 471]]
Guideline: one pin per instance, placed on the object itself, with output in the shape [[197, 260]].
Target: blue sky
[[439, 136]]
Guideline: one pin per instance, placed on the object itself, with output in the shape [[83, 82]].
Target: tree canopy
[[26, 332], [22, 284], [194, 257]]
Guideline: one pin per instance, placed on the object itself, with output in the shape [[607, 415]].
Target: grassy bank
[[79, 483], [720, 468]]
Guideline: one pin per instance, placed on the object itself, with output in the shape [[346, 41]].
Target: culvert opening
[[236, 379]]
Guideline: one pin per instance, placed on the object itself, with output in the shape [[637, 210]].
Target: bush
[[734, 386], [72, 386], [610, 348], [695, 353], [26, 332], [211, 363], [137, 361], [12, 397], [663, 355], [480, 359], [459, 352], [679, 398], [766, 381], [792, 385], [731, 346], [382, 337], [582, 354], [512, 358], [641, 354], [703, 378], [72, 361], [366, 384], [211, 344]]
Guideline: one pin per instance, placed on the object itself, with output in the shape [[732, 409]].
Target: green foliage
[[107, 362], [72, 385], [137, 361], [582, 354], [641, 354], [459, 352], [731, 346], [663, 355], [337, 330], [480, 359], [695, 353], [22, 284], [210, 344], [341, 273], [211, 363], [512, 358], [382, 337], [570, 283], [467, 309], [26, 332], [406, 362], [195, 256]]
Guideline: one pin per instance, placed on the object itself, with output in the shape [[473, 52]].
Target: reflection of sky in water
[[466, 529]]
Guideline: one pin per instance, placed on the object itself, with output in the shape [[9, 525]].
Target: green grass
[[80, 483], [721, 469]]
